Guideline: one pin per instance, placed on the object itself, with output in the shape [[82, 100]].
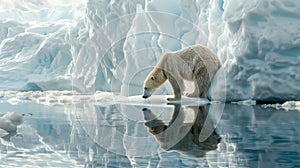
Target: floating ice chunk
[[14, 100], [9, 121], [291, 105], [3, 132]]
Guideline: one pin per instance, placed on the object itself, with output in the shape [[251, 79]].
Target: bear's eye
[[152, 77]]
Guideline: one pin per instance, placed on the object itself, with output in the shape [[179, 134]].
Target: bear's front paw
[[173, 99]]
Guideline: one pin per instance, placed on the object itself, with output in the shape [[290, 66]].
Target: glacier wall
[[260, 49], [34, 51], [112, 45]]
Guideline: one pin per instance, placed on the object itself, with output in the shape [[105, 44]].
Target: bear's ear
[[152, 78]]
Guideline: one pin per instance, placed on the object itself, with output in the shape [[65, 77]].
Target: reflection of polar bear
[[181, 136], [197, 64]]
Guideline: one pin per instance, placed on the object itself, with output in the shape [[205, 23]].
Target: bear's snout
[[147, 93]]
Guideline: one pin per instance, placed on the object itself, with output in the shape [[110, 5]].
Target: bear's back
[[198, 55]]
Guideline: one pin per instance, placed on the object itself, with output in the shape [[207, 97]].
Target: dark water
[[86, 135]]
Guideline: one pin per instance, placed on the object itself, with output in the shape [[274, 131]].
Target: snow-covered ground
[[112, 45]]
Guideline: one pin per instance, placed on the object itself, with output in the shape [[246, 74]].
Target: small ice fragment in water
[[291, 105], [9, 121]]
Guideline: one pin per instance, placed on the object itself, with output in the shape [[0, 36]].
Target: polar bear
[[195, 63]]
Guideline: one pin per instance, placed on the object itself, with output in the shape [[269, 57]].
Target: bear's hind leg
[[203, 89], [196, 91], [199, 91]]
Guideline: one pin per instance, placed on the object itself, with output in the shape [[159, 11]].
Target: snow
[[287, 106], [110, 46], [56, 98]]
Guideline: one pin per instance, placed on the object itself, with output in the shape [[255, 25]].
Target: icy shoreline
[[53, 98]]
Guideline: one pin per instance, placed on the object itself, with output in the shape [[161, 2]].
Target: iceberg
[[102, 45]]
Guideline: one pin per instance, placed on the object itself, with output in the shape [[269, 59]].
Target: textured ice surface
[[112, 45], [35, 50], [260, 49]]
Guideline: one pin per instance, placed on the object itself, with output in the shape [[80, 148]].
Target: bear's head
[[154, 80]]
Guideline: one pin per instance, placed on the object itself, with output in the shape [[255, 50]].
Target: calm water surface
[[89, 135]]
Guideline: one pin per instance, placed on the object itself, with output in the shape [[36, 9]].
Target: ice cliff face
[[112, 45], [260, 49], [35, 53]]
